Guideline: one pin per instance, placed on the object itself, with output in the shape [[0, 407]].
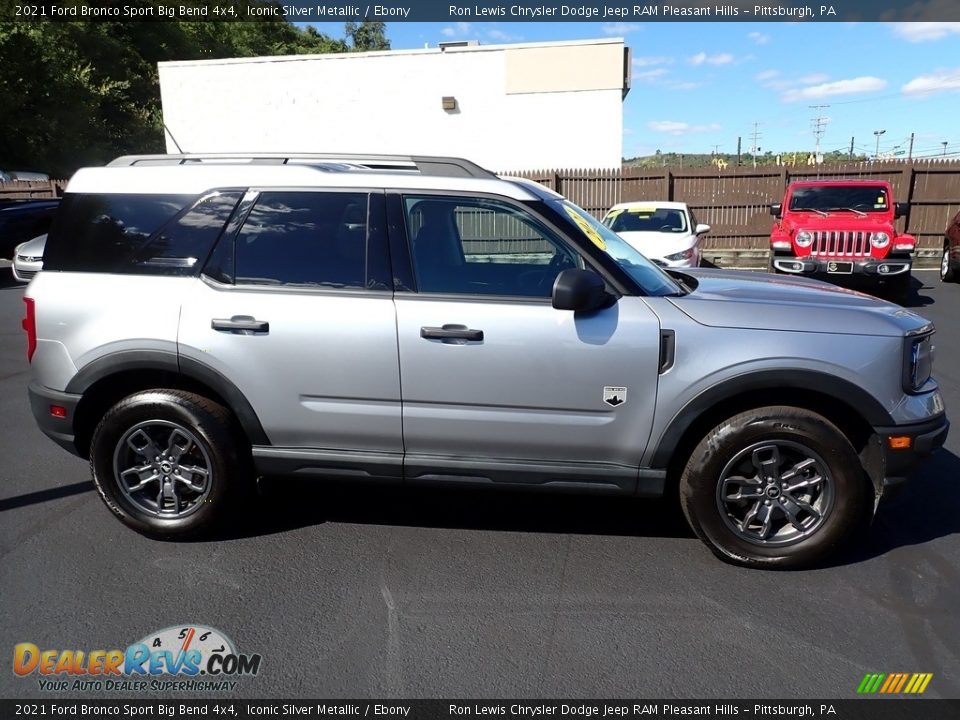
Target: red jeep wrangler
[[842, 228]]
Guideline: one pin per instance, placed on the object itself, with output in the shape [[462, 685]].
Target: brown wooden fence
[[32, 190], [735, 202]]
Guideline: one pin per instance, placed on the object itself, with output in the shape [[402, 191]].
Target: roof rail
[[424, 164]]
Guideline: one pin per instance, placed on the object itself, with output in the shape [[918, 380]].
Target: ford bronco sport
[[202, 320], [842, 228]]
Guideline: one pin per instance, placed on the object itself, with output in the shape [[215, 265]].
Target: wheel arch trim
[[856, 399], [188, 368]]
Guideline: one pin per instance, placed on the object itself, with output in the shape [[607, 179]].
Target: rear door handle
[[451, 332], [239, 323]]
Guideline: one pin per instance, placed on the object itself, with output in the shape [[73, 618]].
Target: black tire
[[788, 428], [207, 436], [948, 273]]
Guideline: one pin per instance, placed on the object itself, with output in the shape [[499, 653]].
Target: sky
[[697, 87]]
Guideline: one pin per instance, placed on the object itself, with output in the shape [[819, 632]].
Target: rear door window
[[308, 239]]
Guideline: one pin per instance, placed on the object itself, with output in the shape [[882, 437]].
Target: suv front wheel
[[775, 487], [168, 462]]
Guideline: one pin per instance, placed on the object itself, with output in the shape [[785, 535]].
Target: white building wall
[[520, 107]]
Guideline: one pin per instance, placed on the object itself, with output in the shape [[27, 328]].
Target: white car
[[28, 259], [666, 232]]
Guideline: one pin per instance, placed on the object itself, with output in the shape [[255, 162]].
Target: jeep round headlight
[[804, 238], [880, 240]]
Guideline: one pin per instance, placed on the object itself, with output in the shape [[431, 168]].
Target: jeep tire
[[775, 487], [169, 463]]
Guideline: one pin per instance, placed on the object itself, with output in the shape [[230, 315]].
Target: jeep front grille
[[829, 243]]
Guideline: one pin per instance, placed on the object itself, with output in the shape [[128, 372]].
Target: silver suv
[[204, 320]]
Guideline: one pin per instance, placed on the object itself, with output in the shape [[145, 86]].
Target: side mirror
[[577, 290], [776, 210], [701, 229], [900, 209]]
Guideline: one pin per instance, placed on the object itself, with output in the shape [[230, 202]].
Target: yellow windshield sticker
[[582, 223], [614, 213], [881, 200], [646, 210]]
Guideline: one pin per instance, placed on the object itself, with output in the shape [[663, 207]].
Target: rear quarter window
[[137, 234]]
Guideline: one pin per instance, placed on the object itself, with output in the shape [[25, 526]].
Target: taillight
[[30, 325]]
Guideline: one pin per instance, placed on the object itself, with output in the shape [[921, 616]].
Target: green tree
[[81, 93], [367, 36]]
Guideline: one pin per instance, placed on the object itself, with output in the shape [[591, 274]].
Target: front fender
[[855, 398]]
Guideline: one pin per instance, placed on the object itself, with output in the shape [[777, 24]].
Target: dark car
[[950, 262], [8, 176], [21, 220]]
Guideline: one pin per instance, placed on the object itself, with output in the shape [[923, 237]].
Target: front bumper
[[888, 267], [896, 451], [24, 271], [59, 429]]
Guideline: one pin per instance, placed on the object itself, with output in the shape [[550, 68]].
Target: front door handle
[[240, 323], [451, 332]]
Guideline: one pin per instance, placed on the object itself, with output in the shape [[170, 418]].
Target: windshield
[[859, 198], [647, 219], [645, 273]]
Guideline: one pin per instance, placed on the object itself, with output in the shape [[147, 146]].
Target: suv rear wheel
[[777, 487], [168, 462]]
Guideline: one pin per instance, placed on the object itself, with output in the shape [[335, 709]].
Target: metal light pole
[[878, 133], [944, 143]]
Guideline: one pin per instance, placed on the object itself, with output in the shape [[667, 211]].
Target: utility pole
[[739, 139], [910, 151], [818, 125], [755, 137], [876, 153], [850, 156]]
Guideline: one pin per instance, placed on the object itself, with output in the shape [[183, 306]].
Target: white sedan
[[28, 259], [666, 232]]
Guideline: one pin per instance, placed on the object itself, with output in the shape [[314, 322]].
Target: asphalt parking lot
[[354, 593]]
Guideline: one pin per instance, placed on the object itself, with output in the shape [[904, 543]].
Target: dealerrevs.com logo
[[190, 658]]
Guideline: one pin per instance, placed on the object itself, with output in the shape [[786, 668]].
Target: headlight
[[804, 238], [880, 240], [685, 255], [918, 361]]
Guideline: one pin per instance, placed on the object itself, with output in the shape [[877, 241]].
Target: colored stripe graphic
[[870, 683], [894, 683], [890, 683], [903, 681]]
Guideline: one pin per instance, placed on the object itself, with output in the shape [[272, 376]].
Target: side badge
[[614, 396]]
